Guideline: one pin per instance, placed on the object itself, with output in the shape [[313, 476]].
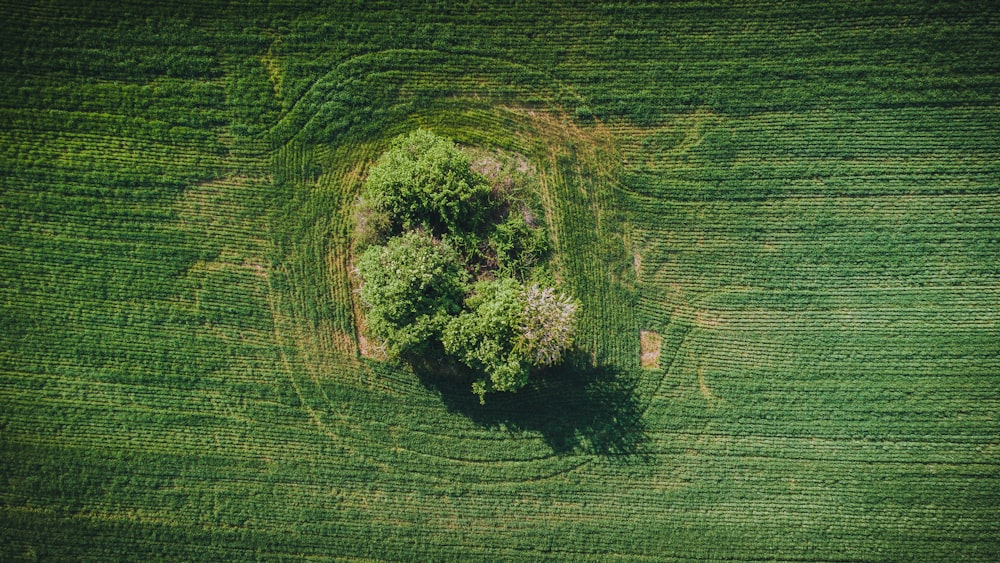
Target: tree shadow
[[575, 406]]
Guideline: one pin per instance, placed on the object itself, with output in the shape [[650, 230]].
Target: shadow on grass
[[574, 407]]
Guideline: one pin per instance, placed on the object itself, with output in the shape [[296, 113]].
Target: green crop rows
[[802, 199]]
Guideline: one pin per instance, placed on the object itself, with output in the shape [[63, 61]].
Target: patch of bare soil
[[649, 348]]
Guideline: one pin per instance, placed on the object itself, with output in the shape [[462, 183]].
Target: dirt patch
[[649, 348], [370, 348]]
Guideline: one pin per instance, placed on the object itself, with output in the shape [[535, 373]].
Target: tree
[[424, 181], [484, 336], [547, 326], [411, 286], [507, 329]]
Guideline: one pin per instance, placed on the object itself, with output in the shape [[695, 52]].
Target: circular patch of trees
[[454, 263]]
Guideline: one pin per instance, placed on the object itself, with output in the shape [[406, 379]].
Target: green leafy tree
[[425, 181], [506, 330], [518, 246], [412, 286], [485, 336]]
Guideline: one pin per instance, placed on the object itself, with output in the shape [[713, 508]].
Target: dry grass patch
[[649, 348]]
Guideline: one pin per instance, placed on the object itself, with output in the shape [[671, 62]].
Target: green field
[[802, 199]]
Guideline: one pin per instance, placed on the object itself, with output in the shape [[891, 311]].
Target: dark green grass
[[803, 199]]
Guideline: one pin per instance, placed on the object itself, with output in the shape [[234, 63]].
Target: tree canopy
[[507, 329], [412, 286], [484, 336], [425, 181], [547, 325], [416, 286]]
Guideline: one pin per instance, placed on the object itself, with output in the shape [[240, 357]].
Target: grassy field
[[796, 203]]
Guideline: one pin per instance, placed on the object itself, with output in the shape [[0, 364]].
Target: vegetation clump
[[456, 265], [485, 335], [424, 181], [413, 284]]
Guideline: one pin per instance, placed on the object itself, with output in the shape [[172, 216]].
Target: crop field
[[781, 221]]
